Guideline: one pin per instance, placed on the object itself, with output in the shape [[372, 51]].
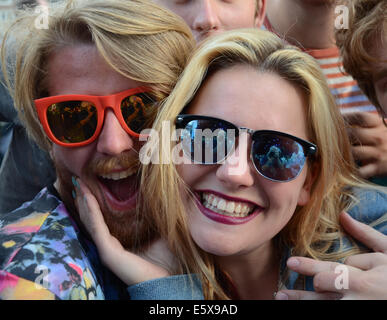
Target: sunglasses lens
[[278, 158], [72, 121], [138, 111], [207, 141]]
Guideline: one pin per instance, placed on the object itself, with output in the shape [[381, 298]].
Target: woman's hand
[[129, 267], [362, 276]]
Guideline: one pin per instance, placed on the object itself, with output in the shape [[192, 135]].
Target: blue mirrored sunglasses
[[276, 156]]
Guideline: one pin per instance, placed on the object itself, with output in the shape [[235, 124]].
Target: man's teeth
[[226, 207], [118, 175]]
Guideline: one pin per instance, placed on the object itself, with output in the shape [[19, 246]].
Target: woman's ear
[[311, 177]]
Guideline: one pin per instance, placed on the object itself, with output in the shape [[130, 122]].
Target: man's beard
[[132, 228]]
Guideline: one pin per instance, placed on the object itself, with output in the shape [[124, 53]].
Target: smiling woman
[[266, 204], [268, 180], [236, 221]]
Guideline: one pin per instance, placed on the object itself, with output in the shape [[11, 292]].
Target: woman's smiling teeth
[[226, 207]]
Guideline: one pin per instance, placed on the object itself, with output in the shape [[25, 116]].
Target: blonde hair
[[314, 227], [367, 27], [137, 38]]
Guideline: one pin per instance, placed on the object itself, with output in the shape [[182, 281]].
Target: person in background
[[26, 168], [311, 26], [363, 46], [209, 17]]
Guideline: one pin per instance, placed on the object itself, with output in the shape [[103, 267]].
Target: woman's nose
[[236, 171]]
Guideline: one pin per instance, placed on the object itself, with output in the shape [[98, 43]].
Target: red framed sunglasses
[[76, 120]]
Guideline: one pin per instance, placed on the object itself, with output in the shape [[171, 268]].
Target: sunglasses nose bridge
[[108, 102], [249, 131], [241, 148]]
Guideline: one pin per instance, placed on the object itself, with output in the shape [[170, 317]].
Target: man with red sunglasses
[[19, 182], [85, 88]]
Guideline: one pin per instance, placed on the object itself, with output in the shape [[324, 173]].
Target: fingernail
[[293, 263], [281, 296], [75, 182], [73, 194]]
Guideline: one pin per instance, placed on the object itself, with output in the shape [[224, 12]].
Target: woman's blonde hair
[[313, 227], [137, 38]]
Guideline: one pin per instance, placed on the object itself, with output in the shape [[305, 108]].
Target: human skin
[[245, 250], [304, 23], [248, 256], [83, 71], [366, 273], [311, 24], [208, 17], [367, 131]]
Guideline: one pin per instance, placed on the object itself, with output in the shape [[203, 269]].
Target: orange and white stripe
[[344, 88]]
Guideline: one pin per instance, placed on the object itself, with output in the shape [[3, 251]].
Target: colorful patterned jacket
[[44, 256]]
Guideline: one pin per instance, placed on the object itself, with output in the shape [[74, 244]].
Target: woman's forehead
[[253, 99]]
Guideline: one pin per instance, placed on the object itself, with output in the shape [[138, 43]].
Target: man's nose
[[113, 139], [206, 18]]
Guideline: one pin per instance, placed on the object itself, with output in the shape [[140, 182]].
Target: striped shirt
[[344, 88]]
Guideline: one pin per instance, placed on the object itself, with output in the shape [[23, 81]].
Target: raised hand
[[362, 276], [129, 267]]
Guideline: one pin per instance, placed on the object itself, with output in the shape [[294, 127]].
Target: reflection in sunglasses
[[138, 111], [276, 155], [72, 121], [280, 164]]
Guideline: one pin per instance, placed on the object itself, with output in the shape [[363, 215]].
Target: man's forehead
[[73, 59], [81, 70]]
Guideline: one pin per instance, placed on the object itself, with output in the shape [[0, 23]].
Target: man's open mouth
[[120, 188]]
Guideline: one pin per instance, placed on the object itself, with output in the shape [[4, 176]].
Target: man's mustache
[[126, 160]]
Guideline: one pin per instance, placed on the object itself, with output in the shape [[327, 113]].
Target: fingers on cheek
[[82, 206], [84, 200], [78, 200]]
